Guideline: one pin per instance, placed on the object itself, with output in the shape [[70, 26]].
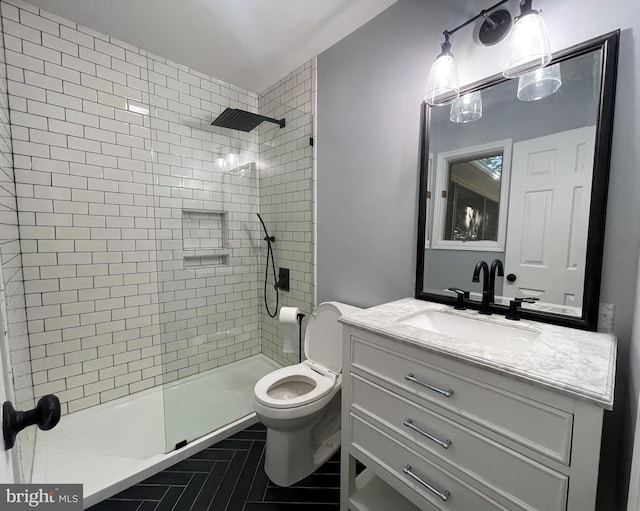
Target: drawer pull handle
[[410, 377], [444, 495], [442, 443]]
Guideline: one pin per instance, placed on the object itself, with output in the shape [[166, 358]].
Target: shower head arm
[[280, 122]]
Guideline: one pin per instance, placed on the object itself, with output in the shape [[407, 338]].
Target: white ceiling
[[248, 43]]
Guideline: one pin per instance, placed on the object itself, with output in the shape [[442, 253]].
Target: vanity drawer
[[405, 466], [537, 426], [493, 465]]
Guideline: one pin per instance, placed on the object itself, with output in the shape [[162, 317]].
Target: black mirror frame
[[595, 239]]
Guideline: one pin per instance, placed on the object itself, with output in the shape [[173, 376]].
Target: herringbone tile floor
[[229, 476]]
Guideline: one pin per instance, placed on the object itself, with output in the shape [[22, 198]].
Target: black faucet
[[485, 308], [496, 264]]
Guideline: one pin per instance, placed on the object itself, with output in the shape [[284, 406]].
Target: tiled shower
[[142, 255]]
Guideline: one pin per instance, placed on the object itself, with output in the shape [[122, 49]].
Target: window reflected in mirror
[[470, 206], [473, 199]]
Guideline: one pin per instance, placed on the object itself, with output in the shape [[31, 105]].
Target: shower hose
[[269, 239]]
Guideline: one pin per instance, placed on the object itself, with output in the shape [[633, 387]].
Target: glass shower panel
[[206, 200], [206, 182], [286, 205]]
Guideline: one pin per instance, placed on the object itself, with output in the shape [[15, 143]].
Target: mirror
[[517, 170]]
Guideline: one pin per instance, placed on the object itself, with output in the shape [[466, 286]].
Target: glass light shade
[[220, 163], [443, 86], [529, 47], [467, 108], [540, 83]]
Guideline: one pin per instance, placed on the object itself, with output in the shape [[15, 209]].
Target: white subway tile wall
[[111, 145], [286, 197]]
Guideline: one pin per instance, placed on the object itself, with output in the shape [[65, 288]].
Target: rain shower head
[[236, 119]]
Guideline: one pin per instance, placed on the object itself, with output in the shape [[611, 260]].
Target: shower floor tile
[[229, 476]]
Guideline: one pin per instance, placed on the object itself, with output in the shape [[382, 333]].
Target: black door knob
[[511, 277], [46, 415]]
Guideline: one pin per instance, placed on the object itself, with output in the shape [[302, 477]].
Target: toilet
[[300, 404]]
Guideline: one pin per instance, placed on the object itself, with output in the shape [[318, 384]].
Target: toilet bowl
[[300, 404]]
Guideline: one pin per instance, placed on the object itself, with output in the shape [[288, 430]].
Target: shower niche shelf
[[205, 240]]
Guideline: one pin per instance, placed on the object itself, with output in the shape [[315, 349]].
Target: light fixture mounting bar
[[471, 20]]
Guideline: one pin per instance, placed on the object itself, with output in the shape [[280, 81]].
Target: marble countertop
[[573, 362]]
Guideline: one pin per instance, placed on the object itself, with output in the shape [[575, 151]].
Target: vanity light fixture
[[466, 108], [540, 83], [443, 86], [528, 47]]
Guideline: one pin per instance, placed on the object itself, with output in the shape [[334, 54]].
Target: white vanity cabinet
[[438, 433]]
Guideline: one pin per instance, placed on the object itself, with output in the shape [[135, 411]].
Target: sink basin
[[505, 337]]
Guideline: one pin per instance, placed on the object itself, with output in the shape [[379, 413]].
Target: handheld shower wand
[[269, 240]]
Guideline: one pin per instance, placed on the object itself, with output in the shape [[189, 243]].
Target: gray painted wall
[[370, 86]]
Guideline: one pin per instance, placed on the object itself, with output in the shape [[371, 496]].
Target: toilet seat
[[303, 372]]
